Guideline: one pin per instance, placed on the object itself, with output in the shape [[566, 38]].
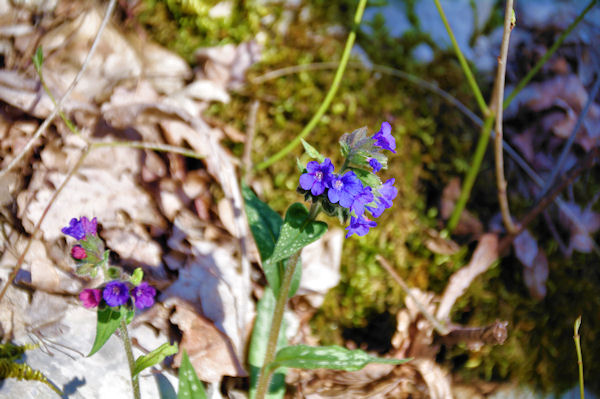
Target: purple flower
[[115, 293], [387, 194], [89, 226], [143, 295], [375, 164], [90, 297], [75, 230], [78, 252], [343, 189], [79, 228], [361, 199], [317, 176], [359, 226], [384, 139]]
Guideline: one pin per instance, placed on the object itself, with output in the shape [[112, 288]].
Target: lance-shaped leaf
[[154, 357], [190, 386], [109, 319], [312, 151], [326, 357]]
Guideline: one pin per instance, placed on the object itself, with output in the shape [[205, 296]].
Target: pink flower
[[90, 297], [78, 252]]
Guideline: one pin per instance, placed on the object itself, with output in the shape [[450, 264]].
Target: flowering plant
[[354, 192]]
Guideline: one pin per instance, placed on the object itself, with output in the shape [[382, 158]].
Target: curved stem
[[265, 374], [463, 62], [135, 383], [499, 90], [484, 138], [328, 98]]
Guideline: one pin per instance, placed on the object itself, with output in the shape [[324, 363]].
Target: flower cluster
[[117, 293], [356, 188], [90, 256]]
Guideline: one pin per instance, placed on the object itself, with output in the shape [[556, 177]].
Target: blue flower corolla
[[143, 295], [361, 199], [343, 189], [78, 229], [116, 293], [359, 226], [387, 193], [384, 139], [317, 176], [375, 164]]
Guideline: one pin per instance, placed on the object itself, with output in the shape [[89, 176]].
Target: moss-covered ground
[[435, 143]]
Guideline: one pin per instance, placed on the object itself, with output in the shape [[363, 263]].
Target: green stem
[[265, 374], [547, 56], [463, 63], [484, 139], [135, 383], [579, 357], [328, 98], [148, 146]]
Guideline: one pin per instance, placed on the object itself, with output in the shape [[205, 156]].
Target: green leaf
[[327, 357], [296, 232], [137, 276], [154, 357], [190, 386], [258, 347], [38, 59], [368, 178], [114, 273], [312, 151], [109, 319]]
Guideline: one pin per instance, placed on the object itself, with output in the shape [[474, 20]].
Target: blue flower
[[384, 139], [375, 164], [115, 293], [387, 193], [317, 176], [79, 228], [361, 199], [343, 189], [75, 230], [143, 295], [359, 226]]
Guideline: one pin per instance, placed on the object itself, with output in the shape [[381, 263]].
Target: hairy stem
[[135, 383], [465, 192], [579, 357], [463, 62], [328, 98], [499, 90], [265, 375]]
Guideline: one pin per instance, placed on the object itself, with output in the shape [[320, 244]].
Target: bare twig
[[587, 163], [42, 128], [509, 24], [439, 327], [250, 132]]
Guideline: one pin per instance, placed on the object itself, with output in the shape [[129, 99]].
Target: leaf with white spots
[[190, 386], [296, 232], [327, 357]]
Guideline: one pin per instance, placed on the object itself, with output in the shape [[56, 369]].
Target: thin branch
[[148, 146], [36, 228], [585, 164], [42, 128], [328, 98], [509, 24], [463, 63], [547, 56], [439, 327]]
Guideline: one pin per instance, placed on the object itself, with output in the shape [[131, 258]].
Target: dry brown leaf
[[209, 350], [468, 223], [483, 256]]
